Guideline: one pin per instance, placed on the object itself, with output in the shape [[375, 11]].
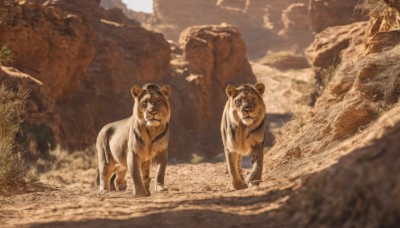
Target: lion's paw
[[161, 188], [121, 187], [239, 185], [255, 183]]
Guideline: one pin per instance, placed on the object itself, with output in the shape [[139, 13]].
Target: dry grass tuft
[[61, 159], [373, 7], [13, 169]]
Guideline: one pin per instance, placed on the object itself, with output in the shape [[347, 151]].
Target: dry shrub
[[373, 7], [13, 169], [378, 76]]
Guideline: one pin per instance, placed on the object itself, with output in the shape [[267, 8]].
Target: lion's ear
[[231, 91], [260, 88], [136, 91], [166, 90]]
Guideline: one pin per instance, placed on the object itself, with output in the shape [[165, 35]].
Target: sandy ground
[[199, 195]]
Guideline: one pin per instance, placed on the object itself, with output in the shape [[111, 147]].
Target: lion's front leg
[[232, 162], [134, 167], [146, 174], [257, 157], [162, 160]]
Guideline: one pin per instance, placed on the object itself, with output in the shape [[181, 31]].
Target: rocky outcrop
[[327, 13], [259, 21], [125, 55], [331, 46], [296, 25], [213, 57], [362, 87], [216, 52], [383, 30], [140, 18], [51, 45], [87, 58]]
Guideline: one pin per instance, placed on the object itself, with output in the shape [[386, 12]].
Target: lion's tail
[[105, 149]]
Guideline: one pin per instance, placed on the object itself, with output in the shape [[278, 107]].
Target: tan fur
[[242, 130], [131, 144]]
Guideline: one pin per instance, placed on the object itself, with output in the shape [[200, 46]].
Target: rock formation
[[87, 59], [327, 13], [331, 46], [362, 86], [119, 54], [145, 19], [259, 21], [51, 45], [213, 57], [125, 55]]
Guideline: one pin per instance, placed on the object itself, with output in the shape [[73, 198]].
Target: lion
[[133, 143], [242, 130]]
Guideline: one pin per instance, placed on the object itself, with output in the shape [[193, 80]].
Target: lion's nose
[[152, 112], [247, 109]]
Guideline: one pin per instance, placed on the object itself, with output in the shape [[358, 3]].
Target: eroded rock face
[[331, 46], [213, 57], [144, 19], [125, 55], [327, 13], [363, 86], [259, 21], [86, 58], [295, 17], [51, 45], [383, 32], [207, 59], [215, 52]]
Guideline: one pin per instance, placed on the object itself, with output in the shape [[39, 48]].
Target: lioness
[[242, 129], [132, 143]]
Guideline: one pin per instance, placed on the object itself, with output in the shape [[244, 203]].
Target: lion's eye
[[239, 100], [144, 102]]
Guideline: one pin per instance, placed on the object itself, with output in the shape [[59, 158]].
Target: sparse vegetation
[[196, 158], [13, 169], [6, 55], [62, 159], [377, 7]]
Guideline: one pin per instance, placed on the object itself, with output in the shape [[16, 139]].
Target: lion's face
[[247, 103], [151, 104]]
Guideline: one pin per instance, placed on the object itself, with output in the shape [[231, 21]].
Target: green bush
[[13, 169]]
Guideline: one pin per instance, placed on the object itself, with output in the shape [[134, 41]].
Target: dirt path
[[198, 195]]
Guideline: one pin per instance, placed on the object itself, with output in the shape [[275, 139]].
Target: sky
[[140, 5]]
